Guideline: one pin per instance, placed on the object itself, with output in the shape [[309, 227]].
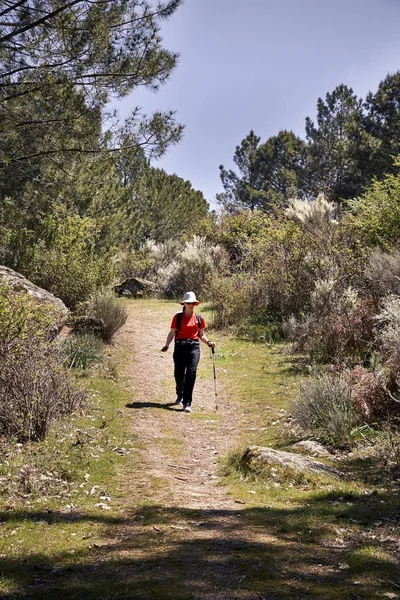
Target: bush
[[34, 390], [23, 320], [195, 267], [82, 350], [324, 409], [368, 393], [105, 306], [339, 326], [383, 272], [65, 259], [388, 336], [233, 299]]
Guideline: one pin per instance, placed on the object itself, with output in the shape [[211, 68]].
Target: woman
[[187, 328]]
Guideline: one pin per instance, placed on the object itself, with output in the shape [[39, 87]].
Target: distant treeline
[[351, 142]]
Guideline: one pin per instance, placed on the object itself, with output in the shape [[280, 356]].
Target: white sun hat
[[190, 297]]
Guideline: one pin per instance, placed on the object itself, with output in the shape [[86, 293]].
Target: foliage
[[368, 393], [34, 391], [198, 263], [81, 350], [64, 259], [102, 48], [233, 299], [269, 174], [324, 409], [22, 320], [339, 326], [105, 306], [382, 124], [388, 333], [376, 214], [335, 144], [382, 272]]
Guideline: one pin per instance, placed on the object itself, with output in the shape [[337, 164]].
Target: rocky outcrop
[[136, 287], [257, 457], [21, 285]]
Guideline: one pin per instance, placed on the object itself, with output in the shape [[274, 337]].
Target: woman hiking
[[187, 328]]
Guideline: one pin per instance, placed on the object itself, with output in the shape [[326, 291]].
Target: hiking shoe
[[187, 408], [178, 400]]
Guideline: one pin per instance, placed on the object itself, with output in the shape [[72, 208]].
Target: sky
[[262, 65]]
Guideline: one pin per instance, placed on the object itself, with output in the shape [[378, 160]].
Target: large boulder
[[136, 287], [257, 457], [20, 284]]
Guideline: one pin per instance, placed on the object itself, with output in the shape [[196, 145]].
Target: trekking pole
[[215, 378]]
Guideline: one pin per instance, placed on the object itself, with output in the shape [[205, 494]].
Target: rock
[[22, 285], [259, 456], [136, 287], [313, 448], [88, 324]]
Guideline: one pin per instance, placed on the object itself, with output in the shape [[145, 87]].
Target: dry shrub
[[105, 306], [383, 272], [34, 390], [324, 409], [341, 329], [388, 336], [368, 393]]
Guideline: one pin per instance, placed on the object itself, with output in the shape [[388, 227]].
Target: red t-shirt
[[189, 329]]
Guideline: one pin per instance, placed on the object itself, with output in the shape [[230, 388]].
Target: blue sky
[[262, 64]]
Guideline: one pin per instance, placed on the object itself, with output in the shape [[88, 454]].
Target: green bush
[[376, 215], [22, 320], [325, 410], [66, 261], [82, 350], [105, 306], [234, 300]]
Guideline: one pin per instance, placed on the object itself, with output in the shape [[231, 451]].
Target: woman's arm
[[170, 337], [205, 339]]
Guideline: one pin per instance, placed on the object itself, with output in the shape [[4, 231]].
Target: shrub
[[339, 327], [234, 299], [388, 336], [105, 306], [22, 319], [324, 409], [34, 390], [368, 393], [81, 350], [197, 264], [376, 214], [383, 272], [65, 259]]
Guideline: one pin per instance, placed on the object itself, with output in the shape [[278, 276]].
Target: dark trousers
[[186, 359]]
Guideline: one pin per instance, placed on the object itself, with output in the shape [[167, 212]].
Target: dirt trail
[[180, 536]]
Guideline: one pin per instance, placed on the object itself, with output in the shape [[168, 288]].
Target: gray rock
[[313, 448], [259, 456], [21, 285], [136, 287]]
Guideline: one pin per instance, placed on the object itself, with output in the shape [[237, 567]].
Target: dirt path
[[179, 539]]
